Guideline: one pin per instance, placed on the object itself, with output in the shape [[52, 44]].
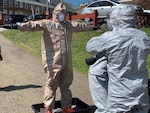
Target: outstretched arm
[[80, 26], [96, 44], [34, 25]]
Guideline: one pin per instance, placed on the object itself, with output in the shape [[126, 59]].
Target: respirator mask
[[61, 17]]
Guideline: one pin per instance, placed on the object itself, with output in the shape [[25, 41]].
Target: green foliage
[[79, 53], [147, 30], [31, 42]]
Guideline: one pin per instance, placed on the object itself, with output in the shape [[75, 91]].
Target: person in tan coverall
[[56, 55]]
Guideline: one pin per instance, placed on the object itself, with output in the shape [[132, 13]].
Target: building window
[[25, 5], [10, 2], [16, 3], [5, 11], [44, 9], [31, 6], [21, 5], [16, 12], [4, 2], [37, 10], [10, 12]]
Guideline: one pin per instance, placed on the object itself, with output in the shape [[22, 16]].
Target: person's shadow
[[13, 87]]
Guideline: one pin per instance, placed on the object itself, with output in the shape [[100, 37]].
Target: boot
[[68, 110]]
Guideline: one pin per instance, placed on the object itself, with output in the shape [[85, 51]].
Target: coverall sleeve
[[97, 44], [80, 26], [34, 25]]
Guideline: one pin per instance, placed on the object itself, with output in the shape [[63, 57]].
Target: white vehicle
[[104, 7], [147, 11]]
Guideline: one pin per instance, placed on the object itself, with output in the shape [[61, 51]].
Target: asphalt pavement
[[22, 79]]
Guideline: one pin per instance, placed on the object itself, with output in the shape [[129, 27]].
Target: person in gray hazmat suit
[[118, 81], [56, 55]]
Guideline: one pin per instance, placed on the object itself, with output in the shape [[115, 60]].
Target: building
[[28, 7]]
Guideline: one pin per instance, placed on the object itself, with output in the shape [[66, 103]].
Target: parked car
[[36, 17], [11, 20], [104, 7]]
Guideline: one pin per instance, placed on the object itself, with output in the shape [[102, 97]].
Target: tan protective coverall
[[56, 54]]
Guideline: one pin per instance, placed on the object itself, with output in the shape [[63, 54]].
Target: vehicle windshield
[[106, 0], [115, 1]]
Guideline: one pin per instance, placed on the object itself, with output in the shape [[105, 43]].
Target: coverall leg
[[98, 89], [61, 77], [65, 82]]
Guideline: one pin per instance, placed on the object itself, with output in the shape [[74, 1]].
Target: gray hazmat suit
[[119, 82], [56, 53]]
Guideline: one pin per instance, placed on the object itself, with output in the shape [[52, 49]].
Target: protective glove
[[91, 60]]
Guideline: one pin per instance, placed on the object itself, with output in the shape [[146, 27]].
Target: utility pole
[[32, 9], [46, 5], [3, 6], [47, 11]]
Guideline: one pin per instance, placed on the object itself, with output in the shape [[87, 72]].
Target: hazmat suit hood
[[123, 17], [59, 13]]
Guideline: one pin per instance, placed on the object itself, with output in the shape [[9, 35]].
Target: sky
[[76, 3]]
